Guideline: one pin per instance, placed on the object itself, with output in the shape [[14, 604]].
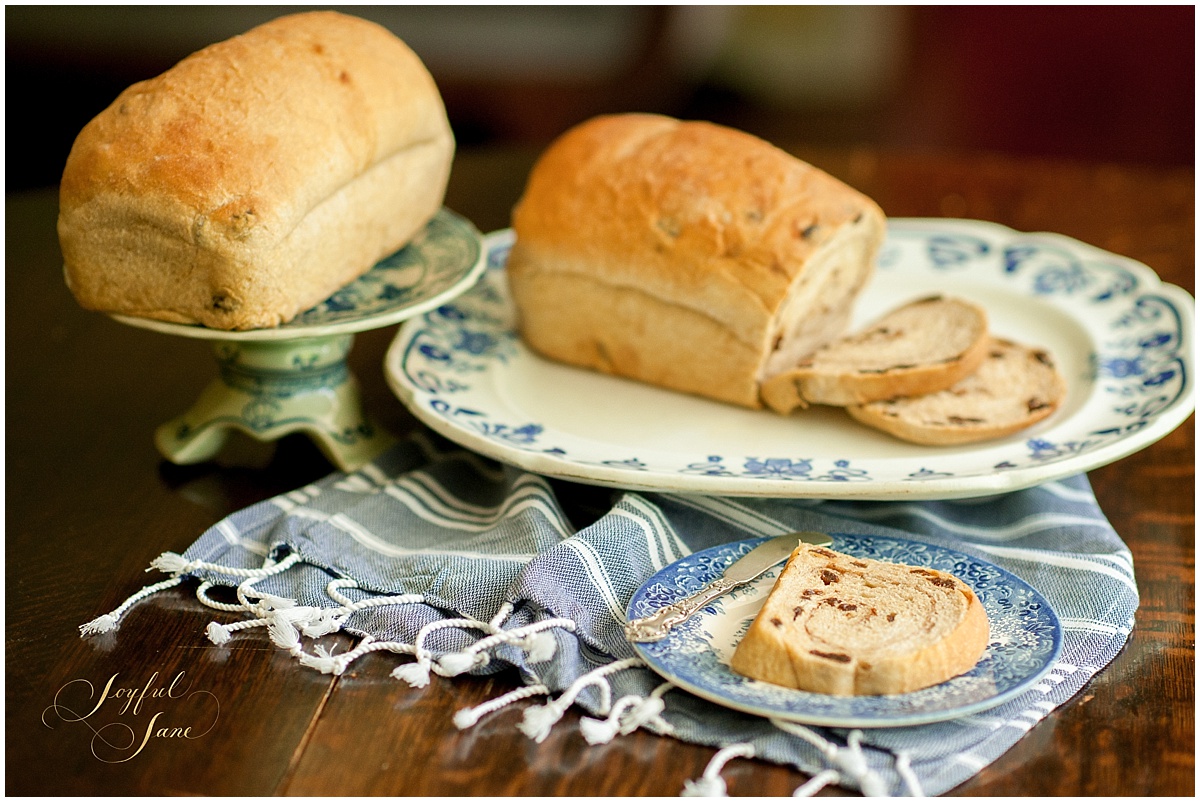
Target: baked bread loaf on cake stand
[[277, 171]]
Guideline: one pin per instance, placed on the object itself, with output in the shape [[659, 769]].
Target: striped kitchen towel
[[456, 565]]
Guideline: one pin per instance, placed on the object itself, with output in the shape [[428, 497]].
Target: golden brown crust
[[200, 195], [609, 334], [700, 221]]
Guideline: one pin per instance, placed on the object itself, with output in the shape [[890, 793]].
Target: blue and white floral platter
[[441, 261], [1025, 640], [1122, 338]]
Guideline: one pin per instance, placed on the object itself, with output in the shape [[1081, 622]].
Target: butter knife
[[759, 560]]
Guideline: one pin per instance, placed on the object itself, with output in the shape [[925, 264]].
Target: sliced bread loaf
[[848, 626], [922, 347], [1014, 388], [686, 255]]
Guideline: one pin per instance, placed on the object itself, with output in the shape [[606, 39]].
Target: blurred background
[[1105, 83]]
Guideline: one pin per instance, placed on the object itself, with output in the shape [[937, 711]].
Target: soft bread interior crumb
[[844, 625], [818, 307], [921, 347], [922, 333], [986, 396]]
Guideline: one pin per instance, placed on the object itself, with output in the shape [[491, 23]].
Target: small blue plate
[[1025, 640]]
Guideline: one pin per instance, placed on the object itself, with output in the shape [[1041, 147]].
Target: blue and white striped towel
[[460, 565]]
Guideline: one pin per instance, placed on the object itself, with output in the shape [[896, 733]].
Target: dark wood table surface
[[90, 502]]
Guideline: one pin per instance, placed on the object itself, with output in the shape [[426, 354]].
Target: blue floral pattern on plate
[[1025, 639], [1122, 338], [436, 259]]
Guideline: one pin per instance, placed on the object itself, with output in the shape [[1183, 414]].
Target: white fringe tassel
[[174, 564], [905, 770], [110, 621], [816, 783], [284, 635], [266, 601], [469, 716], [417, 674], [171, 563], [711, 783], [849, 760], [220, 634], [535, 638], [542, 646], [539, 720], [628, 713], [327, 663], [202, 596], [286, 621]]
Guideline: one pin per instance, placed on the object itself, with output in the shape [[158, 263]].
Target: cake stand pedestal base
[[272, 388]]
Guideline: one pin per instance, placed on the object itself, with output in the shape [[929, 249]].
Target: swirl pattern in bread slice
[[1013, 389], [852, 626], [921, 347]]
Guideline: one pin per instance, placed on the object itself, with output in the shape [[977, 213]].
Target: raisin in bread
[[922, 347], [1014, 388], [848, 626]]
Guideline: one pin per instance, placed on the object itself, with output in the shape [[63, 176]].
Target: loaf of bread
[[1014, 388], [847, 626], [687, 255], [923, 347], [256, 177]]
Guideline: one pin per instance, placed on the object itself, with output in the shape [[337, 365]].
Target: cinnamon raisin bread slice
[[922, 347], [850, 626], [1014, 388]]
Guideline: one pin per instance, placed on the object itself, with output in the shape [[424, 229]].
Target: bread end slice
[[848, 626], [920, 348]]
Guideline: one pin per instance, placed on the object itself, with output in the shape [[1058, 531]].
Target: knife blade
[[746, 568]]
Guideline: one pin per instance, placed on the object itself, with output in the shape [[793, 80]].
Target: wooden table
[[90, 502]]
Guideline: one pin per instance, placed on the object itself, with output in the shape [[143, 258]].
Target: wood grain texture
[[89, 503]]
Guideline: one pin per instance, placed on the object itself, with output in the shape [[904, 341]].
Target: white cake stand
[[294, 378]]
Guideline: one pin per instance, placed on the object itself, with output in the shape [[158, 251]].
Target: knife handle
[[656, 626]]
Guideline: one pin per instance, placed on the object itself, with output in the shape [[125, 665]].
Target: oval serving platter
[[1122, 338]]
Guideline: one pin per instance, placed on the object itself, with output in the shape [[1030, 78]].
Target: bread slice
[[922, 347], [1014, 388], [687, 255], [850, 626]]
